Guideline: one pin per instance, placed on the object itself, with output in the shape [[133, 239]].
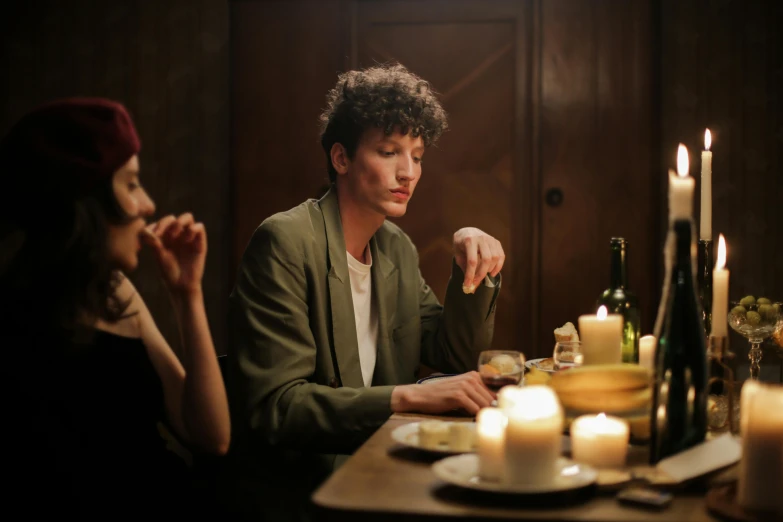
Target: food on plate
[[610, 388], [566, 333], [536, 376], [504, 363], [462, 436], [548, 364], [433, 433]]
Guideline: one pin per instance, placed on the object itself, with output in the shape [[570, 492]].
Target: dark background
[[590, 97]]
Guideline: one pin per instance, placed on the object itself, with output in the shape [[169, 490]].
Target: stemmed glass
[[500, 368], [755, 320]]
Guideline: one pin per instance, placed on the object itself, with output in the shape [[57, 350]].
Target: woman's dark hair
[[60, 274], [386, 97]]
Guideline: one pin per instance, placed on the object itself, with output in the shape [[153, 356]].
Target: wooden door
[[475, 53], [542, 94], [545, 99]]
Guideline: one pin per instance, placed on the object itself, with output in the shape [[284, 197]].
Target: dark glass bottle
[[679, 407], [618, 299]]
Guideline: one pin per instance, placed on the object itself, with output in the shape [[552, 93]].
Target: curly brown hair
[[388, 97]]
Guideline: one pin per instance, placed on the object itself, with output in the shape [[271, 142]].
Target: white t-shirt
[[365, 313]]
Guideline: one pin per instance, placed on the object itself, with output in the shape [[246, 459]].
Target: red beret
[[87, 138]]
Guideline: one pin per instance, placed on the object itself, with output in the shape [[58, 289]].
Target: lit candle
[[600, 441], [491, 440], [705, 223], [681, 188], [720, 292], [533, 434], [602, 337], [647, 351], [761, 466]]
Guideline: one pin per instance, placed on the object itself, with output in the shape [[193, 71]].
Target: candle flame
[[721, 264], [601, 416], [602, 313], [682, 161], [707, 139]]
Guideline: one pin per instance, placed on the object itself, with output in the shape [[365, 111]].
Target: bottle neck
[[684, 245], [619, 271]]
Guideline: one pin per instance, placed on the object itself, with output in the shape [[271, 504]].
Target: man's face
[[384, 172]]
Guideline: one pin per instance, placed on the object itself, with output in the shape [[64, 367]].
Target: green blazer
[[294, 378]]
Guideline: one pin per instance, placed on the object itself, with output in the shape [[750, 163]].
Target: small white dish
[[539, 364], [462, 471], [408, 435]]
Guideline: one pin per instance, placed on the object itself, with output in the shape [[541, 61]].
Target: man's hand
[[477, 254], [465, 392]]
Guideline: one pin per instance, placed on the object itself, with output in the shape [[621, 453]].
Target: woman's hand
[[180, 246]]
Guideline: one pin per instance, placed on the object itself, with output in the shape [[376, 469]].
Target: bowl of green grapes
[[755, 319]]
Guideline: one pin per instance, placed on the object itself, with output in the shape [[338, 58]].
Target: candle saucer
[[462, 471]]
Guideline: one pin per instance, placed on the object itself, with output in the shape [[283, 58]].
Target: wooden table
[[386, 481]]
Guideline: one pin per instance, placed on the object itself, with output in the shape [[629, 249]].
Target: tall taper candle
[[705, 223], [720, 292], [681, 188]]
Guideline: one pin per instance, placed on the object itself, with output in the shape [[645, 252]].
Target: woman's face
[[124, 241]]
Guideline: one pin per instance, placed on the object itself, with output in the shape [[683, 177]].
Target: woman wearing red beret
[[88, 378]]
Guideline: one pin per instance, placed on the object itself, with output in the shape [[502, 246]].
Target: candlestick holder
[[705, 257], [722, 401]]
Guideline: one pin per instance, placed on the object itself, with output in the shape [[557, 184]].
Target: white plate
[[408, 435], [533, 363], [462, 470], [435, 378]]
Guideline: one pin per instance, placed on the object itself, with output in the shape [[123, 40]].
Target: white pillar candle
[[761, 425], [600, 441], [491, 441], [533, 435], [720, 292], [705, 223], [647, 352], [681, 188], [602, 337]]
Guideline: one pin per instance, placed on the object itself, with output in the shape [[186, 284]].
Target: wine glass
[[567, 354], [755, 320], [500, 368]]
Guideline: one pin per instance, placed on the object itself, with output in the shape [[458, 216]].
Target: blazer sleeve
[[454, 334], [275, 357]]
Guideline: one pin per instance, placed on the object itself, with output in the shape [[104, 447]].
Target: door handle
[[554, 197]]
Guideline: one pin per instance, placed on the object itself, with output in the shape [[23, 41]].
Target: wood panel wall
[[721, 67], [167, 61], [575, 80]]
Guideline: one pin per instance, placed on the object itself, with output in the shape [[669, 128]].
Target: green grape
[[763, 300], [754, 318], [766, 311], [739, 310], [748, 300]]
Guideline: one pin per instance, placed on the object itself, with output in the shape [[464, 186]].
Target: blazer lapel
[[346, 348], [384, 283]]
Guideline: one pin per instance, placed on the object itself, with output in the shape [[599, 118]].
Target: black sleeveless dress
[[87, 428]]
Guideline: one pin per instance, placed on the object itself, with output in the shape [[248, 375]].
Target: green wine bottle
[[618, 299], [679, 408]]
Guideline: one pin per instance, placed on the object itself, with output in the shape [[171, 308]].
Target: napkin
[[704, 458]]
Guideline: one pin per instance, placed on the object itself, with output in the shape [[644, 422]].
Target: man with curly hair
[[330, 314]]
